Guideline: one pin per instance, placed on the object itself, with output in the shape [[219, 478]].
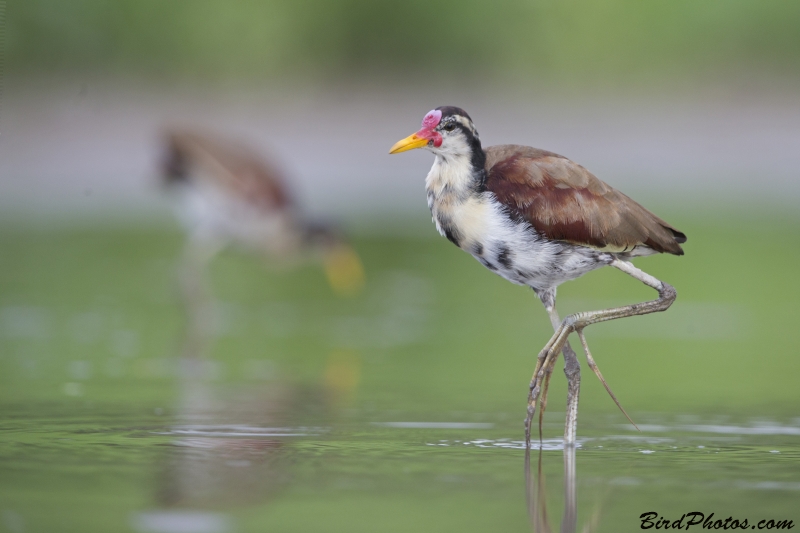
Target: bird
[[539, 219], [229, 194]]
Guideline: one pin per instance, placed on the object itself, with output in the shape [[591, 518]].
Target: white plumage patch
[[481, 225], [451, 168], [209, 212]]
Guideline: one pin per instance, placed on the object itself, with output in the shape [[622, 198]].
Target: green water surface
[[398, 409]]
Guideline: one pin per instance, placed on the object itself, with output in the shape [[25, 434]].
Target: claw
[[596, 370], [576, 323], [539, 384], [541, 379], [548, 373], [543, 401], [533, 395]]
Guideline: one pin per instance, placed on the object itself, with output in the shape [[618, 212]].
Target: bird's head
[[446, 131]]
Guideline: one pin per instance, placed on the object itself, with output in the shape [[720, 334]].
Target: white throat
[[450, 175], [452, 168]]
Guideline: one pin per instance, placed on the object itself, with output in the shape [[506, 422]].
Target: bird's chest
[[463, 220], [459, 212], [479, 225]]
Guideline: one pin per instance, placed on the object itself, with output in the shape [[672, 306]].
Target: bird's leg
[[572, 368], [578, 321], [196, 256]]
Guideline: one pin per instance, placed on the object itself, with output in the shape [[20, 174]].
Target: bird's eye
[[449, 127]]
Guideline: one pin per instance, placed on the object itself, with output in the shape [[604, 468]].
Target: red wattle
[[431, 135]]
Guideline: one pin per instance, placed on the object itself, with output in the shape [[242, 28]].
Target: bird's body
[[536, 219], [476, 221], [227, 193]]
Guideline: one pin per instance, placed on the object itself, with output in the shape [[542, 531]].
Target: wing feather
[[235, 168], [564, 201]]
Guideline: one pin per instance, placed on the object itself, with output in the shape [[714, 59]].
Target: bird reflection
[[230, 443], [227, 444], [536, 496]]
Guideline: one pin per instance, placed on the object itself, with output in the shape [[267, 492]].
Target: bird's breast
[[463, 222], [481, 226]]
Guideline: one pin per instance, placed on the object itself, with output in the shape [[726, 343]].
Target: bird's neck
[[457, 176]]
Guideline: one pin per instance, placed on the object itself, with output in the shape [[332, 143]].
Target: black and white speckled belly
[[480, 225]]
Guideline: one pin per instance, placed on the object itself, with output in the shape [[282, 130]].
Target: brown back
[[564, 201], [237, 169]]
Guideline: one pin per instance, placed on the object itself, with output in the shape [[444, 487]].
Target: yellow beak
[[409, 143]]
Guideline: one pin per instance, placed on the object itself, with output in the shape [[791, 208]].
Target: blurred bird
[[538, 219], [229, 195]]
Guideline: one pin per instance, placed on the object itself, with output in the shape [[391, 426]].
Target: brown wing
[[236, 169], [564, 201]]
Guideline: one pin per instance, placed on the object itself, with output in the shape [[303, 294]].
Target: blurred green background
[[577, 43], [690, 107]]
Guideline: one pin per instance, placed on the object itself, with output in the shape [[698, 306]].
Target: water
[[397, 410], [83, 468]]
